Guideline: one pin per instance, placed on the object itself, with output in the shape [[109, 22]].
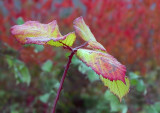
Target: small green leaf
[[115, 105], [9, 61], [134, 82], [38, 48], [76, 61], [44, 98], [133, 75], [92, 76], [26, 76], [67, 54], [20, 21], [47, 66], [140, 86], [22, 74], [110, 97], [82, 68], [56, 85]]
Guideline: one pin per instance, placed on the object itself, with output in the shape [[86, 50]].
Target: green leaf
[[133, 75], [150, 109], [22, 74], [92, 76], [47, 66], [134, 82], [9, 61], [38, 48], [157, 106], [82, 68], [110, 97], [44, 98], [115, 105], [117, 87], [20, 21], [140, 86], [67, 54], [25, 75], [56, 85], [20, 70], [76, 61]]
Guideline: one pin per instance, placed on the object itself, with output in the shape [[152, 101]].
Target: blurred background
[[30, 74]]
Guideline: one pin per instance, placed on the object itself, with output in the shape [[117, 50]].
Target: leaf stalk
[[73, 51]]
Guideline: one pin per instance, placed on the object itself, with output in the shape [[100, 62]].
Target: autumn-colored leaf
[[103, 64], [68, 40], [85, 33], [117, 87], [37, 33], [83, 30], [96, 46], [111, 72]]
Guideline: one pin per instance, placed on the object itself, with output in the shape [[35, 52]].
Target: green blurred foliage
[[47, 66], [32, 89], [136, 81], [21, 72]]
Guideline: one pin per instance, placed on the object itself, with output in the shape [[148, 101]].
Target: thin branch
[[74, 50], [66, 46], [62, 81], [83, 45]]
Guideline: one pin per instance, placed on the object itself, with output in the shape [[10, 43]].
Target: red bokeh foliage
[[129, 29]]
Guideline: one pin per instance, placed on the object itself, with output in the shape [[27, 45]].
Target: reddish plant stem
[[74, 50], [62, 80]]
